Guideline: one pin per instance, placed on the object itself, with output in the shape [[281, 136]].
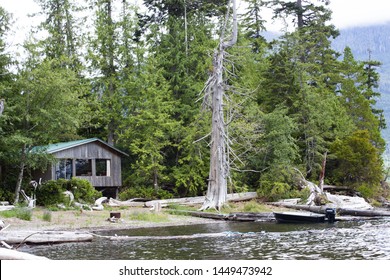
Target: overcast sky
[[346, 13]]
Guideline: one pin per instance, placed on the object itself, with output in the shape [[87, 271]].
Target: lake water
[[241, 241]]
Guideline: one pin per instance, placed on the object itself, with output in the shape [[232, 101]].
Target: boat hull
[[296, 217]]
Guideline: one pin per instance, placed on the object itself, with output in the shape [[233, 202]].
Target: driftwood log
[[197, 200], [339, 210], [239, 216], [8, 254], [44, 237]]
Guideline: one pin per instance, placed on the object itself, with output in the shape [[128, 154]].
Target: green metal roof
[[57, 147]]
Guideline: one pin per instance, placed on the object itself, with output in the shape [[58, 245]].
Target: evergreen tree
[[6, 79], [149, 127], [63, 41], [42, 108], [357, 95], [254, 23], [302, 77], [111, 52]]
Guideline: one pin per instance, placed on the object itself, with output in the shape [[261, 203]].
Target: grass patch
[[20, 213], [47, 216], [248, 206], [253, 206], [149, 217]]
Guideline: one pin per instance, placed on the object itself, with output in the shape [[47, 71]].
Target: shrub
[[46, 216], [24, 214], [147, 193], [82, 190], [357, 161], [274, 191], [367, 191], [51, 193]]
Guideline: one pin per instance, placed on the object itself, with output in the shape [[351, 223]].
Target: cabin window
[[83, 167], [103, 167], [64, 169]]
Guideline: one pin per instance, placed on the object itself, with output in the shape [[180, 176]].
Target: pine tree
[[149, 127], [63, 41]]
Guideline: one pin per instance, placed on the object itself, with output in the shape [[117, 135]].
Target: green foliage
[[357, 162], [5, 194], [138, 84], [274, 191], [47, 216], [281, 184], [367, 191], [82, 190], [18, 212], [144, 192], [51, 193]]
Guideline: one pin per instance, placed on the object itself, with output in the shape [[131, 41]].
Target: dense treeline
[[134, 76]]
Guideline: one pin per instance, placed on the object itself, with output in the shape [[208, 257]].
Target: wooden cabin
[[91, 159]]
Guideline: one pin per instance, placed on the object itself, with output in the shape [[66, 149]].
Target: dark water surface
[[242, 241]]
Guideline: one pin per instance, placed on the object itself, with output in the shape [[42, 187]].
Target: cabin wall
[[94, 151]]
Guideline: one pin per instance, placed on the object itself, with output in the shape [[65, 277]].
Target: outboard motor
[[330, 215]]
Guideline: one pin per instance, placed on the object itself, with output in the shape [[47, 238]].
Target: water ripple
[[343, 240]]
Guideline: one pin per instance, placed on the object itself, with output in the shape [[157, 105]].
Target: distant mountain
[[372, 41]]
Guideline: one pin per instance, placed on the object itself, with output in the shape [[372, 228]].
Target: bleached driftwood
[[196, 200], [69, 195], [315, 191], [339, 210], [6, 207], [233, 197], [99, 204], [128, 203], [349, 202], [8, 254], [31, 201], [44, 237]]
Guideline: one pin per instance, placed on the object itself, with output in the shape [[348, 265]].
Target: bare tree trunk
[[322, 174], [300, 14], [2, 106], [219, 166], [22, 165]]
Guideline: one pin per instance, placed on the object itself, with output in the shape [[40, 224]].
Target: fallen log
[[8, 254], [251, 216], [196, 200], [339, 210], [44, 237], [238, 216], [233, 197], [340, 189], [128, 203]]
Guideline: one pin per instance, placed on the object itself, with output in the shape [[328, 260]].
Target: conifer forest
[[196, 96]]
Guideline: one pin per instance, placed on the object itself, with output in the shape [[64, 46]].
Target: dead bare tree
[[1, 106], [215, 90]]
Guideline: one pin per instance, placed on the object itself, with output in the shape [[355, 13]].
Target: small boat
[[299, 217]]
